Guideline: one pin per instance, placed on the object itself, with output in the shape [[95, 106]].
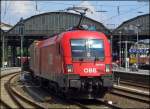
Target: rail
[[15, 95], [9, 70], [131, 94]]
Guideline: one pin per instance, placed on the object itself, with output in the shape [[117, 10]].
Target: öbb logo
[[89, 70]]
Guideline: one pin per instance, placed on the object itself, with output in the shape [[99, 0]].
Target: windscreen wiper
[[96, 59], [81, 59]]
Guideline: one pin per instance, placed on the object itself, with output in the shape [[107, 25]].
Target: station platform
[[139, 77], [7, 70], [139, 72]]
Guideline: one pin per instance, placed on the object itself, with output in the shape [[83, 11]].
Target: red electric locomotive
[[76, 62]]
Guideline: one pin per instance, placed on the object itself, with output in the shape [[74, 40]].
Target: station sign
[[142, 51]]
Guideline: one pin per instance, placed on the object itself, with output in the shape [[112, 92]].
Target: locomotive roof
[[65, 35], [85, 32]]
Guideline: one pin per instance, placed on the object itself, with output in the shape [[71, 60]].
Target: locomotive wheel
[[66, 95], [63, 93]]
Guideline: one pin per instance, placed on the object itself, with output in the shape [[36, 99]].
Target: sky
[[110, 13]]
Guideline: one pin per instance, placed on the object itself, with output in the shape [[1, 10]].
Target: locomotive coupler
[[90, 89]]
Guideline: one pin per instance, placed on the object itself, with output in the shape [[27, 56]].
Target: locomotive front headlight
[[69, 68], [107, 67]]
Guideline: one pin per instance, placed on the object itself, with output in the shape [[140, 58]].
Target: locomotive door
[[38, 64], [39, 61]]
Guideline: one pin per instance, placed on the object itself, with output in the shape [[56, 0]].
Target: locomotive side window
[[87, 49]]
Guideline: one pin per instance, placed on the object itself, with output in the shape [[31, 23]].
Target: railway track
[[140, 95], [15, 100], [89, 104], [92, 104], [22, 101], [101, 104], [132, 83], [131, 94], [98, 104], [3, 103]]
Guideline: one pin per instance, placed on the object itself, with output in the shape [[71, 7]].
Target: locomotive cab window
[[87, 49]]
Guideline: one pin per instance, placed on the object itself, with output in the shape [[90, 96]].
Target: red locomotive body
[[78, 61]]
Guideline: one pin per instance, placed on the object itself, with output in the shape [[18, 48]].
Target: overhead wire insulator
[[36, 6], [118, 10]]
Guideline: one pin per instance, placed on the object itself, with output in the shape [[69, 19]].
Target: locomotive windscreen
[[87, 49]]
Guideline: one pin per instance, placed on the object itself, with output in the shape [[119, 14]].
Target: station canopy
[[130, 27], [48, 24]]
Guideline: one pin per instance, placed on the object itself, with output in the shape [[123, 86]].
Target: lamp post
[[137, 39], [126, 55], [21, 33], [120, 32], [111, 43], [126, 59], [3, 50]]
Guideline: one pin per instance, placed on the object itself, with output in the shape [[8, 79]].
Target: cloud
[[87, 5], [12, 11], [98, 16], [22, 8]]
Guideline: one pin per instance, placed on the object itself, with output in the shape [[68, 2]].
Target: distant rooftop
[[5, 27]]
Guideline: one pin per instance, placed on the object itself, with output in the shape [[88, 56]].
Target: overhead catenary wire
[[92, 4], [119, 13], [7, 4], [36, 7], [126, 12], [5, 10]]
